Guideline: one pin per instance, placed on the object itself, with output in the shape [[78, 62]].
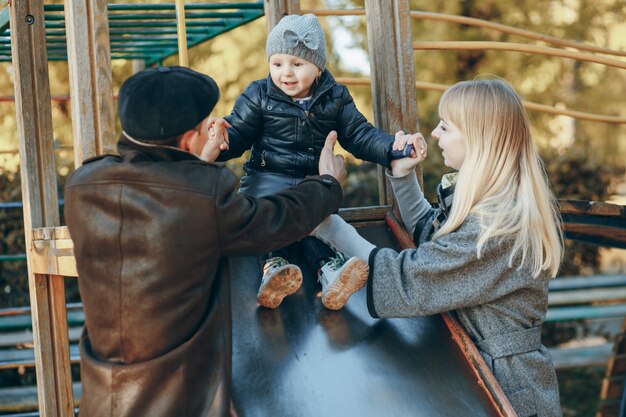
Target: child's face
[[451, 142], [293, 75]]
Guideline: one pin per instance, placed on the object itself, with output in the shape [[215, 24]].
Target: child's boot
[[340, 279], [280, 279]]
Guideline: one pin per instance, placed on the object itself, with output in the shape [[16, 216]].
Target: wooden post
[[39, 193], [393, 76], [89, 62], [181, 29], [277, 9]]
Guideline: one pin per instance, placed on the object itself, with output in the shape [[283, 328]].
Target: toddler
[[285, 120]]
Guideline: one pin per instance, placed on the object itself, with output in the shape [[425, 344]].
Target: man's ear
[[186, 140]]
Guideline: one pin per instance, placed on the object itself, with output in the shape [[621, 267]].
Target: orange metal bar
[[518, 47], [528, 104]]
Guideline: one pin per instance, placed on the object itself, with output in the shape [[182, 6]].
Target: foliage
[[13, 285], [583, 388], [575, 176]]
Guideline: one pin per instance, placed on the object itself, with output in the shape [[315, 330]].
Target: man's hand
[[401, 167], [330, 163]]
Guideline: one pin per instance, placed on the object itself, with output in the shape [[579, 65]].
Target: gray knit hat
[[298, 36]]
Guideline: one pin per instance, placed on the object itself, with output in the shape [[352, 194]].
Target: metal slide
[[302, 360]]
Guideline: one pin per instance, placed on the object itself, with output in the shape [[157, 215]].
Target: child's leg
[[340, 278], [280, 279], [316, 253]]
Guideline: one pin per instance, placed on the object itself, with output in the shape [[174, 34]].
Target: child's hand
[[401, 167], [218, 139]]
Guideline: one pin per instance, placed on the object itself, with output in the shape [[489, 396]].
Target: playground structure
[[89, 27]]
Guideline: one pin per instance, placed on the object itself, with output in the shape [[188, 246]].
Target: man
[[151, 229]]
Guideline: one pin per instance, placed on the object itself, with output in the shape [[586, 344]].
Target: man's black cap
[[159, 103]]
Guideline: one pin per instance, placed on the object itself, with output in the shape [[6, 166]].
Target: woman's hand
[[401, 167]]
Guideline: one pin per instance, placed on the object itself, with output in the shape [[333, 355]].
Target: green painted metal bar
[[597, 355], [144, 57], [141, 38], [54, 25], [14, 311], [153, 24], [144, 31], [233, 25], [60, 26], [161, 16], [586, 296], [167, 6], [13, 358], [16, 257], [154, 49], [190, 6], [586, 312], [198, 30], [159, 32], [24, 321], [4, 19], [596, 281]]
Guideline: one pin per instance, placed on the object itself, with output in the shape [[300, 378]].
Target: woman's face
[[451, 142]]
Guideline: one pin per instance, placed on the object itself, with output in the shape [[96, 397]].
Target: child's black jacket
[[288, 140]]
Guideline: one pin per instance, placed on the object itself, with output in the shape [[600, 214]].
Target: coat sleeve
[[414, 208], [441, 275], [253, 226], [246, 121], [358, 136]]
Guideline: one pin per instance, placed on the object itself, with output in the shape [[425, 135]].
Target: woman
[[489, 249]]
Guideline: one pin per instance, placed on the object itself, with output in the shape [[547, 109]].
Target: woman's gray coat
[[501, 307]]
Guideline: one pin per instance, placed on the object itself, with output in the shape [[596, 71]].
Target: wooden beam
[[277, 9], [52, 252], [596, 234], [592, 208], [39, 193], [393, 76], [89, 62], [613, 382], [181, 29]]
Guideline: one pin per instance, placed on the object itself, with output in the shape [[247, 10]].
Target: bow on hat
[[292, 39]]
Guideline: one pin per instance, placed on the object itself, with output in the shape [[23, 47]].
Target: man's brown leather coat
[[151, 229]]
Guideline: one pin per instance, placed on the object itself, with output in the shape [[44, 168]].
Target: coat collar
[[130, 148], [325, 83]]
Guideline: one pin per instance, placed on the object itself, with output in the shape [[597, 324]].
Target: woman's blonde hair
[[502, 180]]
